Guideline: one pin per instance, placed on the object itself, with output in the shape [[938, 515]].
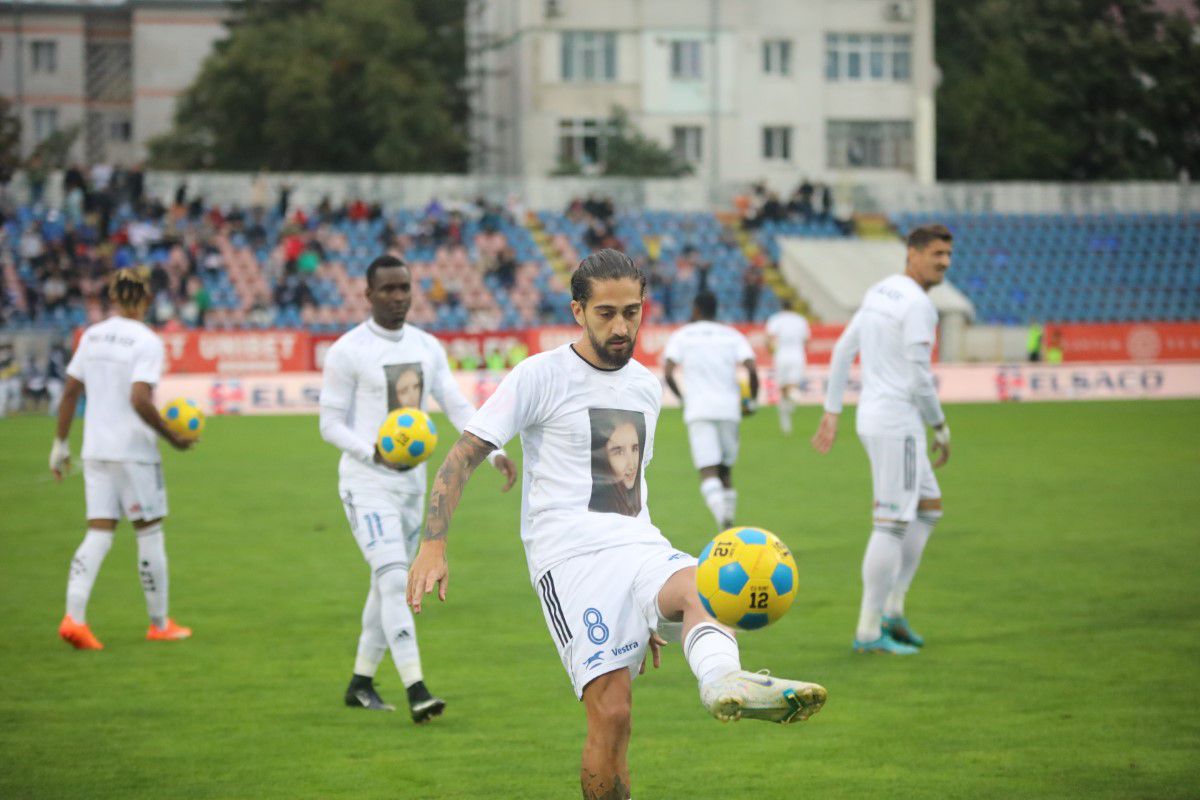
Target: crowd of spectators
[[809, 202]]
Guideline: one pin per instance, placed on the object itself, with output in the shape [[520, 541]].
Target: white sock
[[152, 567], [372, 644], [711, 652], [915, 537], [714, 497], [880, 565], [85, 566], [398, 627], [785, 407], [730, 505]]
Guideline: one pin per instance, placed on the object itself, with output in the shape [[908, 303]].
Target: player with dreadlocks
[[117, 363]]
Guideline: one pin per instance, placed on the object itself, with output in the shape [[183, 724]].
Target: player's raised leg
[[604, 771], [726, 690]]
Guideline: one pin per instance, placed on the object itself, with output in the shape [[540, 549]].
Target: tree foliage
[[1066, 90], [630, 153], [337, 85], [10, 141]]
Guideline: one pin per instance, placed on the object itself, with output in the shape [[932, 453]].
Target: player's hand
[[508, 469], [657, 643], [826, 433], [60, 458], [381, 461], [428, 569], [179, 442], [749, 406], [941, 445]]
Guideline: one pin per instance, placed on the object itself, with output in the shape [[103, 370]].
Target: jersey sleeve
[[148, 362], [510, 409], [674, 349], [840, 362], [920, 325], [337, 382], [743, 349], [805, 329], [75, 365], [445, 390], [773, 326]]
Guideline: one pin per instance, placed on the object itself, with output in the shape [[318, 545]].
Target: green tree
[[339, 85], [10, 141], [630, 153], [1066, 90]]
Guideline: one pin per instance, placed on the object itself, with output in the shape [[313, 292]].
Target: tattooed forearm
[[466, 455], [596, 787]]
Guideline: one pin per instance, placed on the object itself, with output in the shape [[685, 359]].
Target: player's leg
[[144, 502], [916, 536], [726, 690], [894, 487], [604, 768], [728, 433], [787, 376], [706, 457], [103, 511], [372, 647]]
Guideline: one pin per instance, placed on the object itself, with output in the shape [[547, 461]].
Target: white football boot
[[758, 695]]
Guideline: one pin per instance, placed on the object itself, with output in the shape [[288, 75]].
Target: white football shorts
[[789, 371], [385, 523], [601, 607], [900, 474], [713, 441], [129, 489]]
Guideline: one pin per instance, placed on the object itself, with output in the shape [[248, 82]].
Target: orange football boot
[[168, 633], [78, 634]]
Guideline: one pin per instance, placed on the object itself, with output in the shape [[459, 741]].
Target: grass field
[[1059, 598]]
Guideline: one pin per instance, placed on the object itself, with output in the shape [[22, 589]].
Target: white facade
[[114, 67], [837, 90]]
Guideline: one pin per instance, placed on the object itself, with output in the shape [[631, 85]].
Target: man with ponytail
[[117, 363]]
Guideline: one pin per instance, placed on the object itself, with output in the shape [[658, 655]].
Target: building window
[[589, 56], [777, 57], [686, 63], [868, 57], [777, 143], [120, 130], [687, 142], [870, 145], [45, 122], [45, 56], [582, 141]]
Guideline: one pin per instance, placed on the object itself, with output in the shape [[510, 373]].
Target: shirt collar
[[383, 333]]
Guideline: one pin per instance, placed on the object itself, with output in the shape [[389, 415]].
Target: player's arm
[[669, 377], [920, 329], [141, 397], [839, 375], [337, 393], [751, 404], [447, 394], [429, 568], [60, 451]]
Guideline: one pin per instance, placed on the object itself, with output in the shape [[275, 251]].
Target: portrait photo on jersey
[[618, 439], [405, 385]]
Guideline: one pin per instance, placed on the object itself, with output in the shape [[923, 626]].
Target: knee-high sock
[[152, 567], [730, 504], [785, 407], [916, 535], [398, 627], [714, 497], [881, 564], [711, 652], [85, 566], [372, 644]]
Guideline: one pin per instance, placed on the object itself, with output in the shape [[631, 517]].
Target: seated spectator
[[506, 267]]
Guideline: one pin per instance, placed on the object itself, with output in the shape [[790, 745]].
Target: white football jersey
[[371, 371], [895, 314], [111, 357], [709, 354], [791, 333], [587, 435]]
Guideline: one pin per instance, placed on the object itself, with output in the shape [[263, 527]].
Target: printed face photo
[[618, 440], [405, 385]]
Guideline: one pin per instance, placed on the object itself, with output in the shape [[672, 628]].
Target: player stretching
[[609, 582], [710, 353], [374, 368], [789, 333], [118, 363], [894, 329]]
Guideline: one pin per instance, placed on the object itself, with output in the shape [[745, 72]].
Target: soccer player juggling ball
[[611, 586], [894, 331]]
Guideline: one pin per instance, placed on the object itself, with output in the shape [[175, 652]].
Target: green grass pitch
[[1060, 598]]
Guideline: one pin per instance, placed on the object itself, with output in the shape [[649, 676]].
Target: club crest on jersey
[[593, 661]]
